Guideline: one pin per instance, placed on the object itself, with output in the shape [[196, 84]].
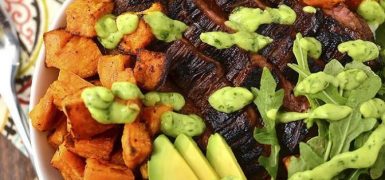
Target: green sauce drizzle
[[309, 9], [163, 27], [315, 83], [111, 29], [100, 103], [363, 157], [249, 19], [373, 108], [174, 124], [360, 50], [230, 99], [249, 41], [372, 12], [351, 79], [175, 100]]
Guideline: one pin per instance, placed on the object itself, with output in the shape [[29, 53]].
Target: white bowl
[[42, 78]]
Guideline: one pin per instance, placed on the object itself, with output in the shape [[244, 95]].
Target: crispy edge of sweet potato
[[139, 39], [150, 70], [81, 125], [101, 170], [76, 54], [98, 147], [113, 68], [67, 84], [82, 15], [136, 144], [69, 164], [151, 116], [56, 137], [43, 114]]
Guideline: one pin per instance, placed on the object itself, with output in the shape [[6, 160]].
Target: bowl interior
[[42, 78]]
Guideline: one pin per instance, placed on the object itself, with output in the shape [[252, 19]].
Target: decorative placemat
[[31, 19]]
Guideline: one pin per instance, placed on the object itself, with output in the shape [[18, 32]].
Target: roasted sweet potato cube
[[117, 158], [69, 164], [113, 68], [150, 69], [71, 53], [98, 147], [157, 6], [151, 116], [144, 171], [136, 144], [322, 3], [57, 136], [101, 170], [67, 84], [139, 39], [82, 15], [43, 114], [81, 125]]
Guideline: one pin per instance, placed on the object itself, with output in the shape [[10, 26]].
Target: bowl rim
[[40, 151]]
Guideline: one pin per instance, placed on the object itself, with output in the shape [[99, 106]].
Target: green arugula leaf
[[301, 56], [378, 168], [308, 159], [380, 39], [343, 132], [355, 175], [334, 67], [267, 98]]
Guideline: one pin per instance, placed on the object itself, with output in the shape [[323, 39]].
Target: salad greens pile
[[344, 107]]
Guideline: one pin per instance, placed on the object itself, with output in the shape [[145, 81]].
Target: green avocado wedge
[[167, 164], [194, 157], [222, 158]]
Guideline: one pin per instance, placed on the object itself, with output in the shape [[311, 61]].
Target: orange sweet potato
[[69, 164], [57, 137], [81, 125], [139, 39], [98, 147], [322, 3], [67, 85], [82, 15], [71, 53], [113, 68], [101, 170], [43, 114], [136, 144], [150, 69], [117, 158], [151, 116]]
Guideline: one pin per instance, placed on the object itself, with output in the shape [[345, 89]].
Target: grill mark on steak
[[122, 6], [198, 78]]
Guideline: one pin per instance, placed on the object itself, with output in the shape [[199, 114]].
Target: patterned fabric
[[31, 19]]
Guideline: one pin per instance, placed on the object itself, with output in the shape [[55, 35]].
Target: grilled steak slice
[[198, 76], [122, 6]]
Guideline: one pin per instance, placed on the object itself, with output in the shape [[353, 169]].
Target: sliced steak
[[198, 76]]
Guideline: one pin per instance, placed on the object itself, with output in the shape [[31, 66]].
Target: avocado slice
[[167, 164], [194, 157], [222, 158]]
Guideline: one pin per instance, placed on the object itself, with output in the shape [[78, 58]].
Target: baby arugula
[[268, 98]]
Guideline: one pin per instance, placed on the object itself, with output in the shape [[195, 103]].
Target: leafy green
[[380, 39], [268, 98], [355, 175], [309, 159], [301, 56], [379, 166], [343, 132]]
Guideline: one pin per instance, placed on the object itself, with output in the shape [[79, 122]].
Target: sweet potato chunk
[[69, 164], [43, 114], [157, 6], [100, 170], [322, 3], [67, 84], [75, 54], [113, 68], [82, 15], [139, 39], [150, 69], [57, 137], [151, 116], [81, 125], [117, 158], [136, 144], [98, 147]]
